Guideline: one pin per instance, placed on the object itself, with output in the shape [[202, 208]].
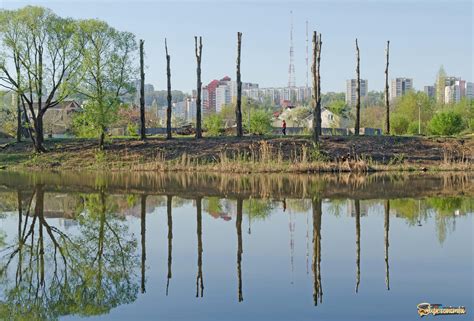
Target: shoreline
[[254, 154]]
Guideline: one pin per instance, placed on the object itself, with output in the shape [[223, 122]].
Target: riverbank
[[249, 154]]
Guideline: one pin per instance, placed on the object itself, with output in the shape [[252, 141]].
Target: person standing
[[283, 127]]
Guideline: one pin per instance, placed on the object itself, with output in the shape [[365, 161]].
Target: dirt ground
[[381, 149]]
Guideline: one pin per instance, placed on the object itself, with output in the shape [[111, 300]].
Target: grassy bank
[[249, 154]]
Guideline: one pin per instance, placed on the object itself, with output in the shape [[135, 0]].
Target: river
[[208, 246]]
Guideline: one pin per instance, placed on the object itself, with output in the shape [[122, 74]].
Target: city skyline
[[421, 38]]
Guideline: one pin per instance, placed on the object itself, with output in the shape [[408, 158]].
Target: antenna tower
[[291, 67]]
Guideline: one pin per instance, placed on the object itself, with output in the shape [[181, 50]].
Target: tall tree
[[107, 67], [168, 77], [142, 93], [47, 49], [198, 50], [317, 43], [238, 106], [357, 121], [387, 103], [440, 85]]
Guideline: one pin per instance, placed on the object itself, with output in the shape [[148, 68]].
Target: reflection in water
[[143, 238], [238, 225], [357, 221], [199, 280], [386, 229], [47, 271], [317, 286], [57, 274], [169, 202]]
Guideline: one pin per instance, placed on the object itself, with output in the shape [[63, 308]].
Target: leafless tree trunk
[[357, 123], [238, 107], [317, 43], [168, 110], [387, 104], [142, 93], [198, 50], [315, 87]]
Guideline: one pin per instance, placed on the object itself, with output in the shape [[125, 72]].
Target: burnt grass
[[82, 153]]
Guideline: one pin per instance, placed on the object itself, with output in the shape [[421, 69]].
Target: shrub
[[413, 128], [260, 122], [132, 129], [446, 123], [213, 124], [399, 125]]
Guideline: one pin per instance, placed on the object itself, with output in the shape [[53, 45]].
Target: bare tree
[[142, 93], [238, 107], [317, 43], [168, 109], [357, 122], [387, 103], [198, 50]]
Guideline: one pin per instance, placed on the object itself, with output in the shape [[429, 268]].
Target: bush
[[446, 123], [413, 128], [399, 125], [132, 130], [213, 124], [260, 122]]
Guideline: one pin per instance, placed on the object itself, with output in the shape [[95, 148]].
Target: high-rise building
[[470, 90], [351, 85], [400, 86], [430, 91]]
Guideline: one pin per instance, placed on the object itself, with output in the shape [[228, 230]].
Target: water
[[234, 247]]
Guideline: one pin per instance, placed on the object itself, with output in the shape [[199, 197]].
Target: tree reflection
[[143, 239], [169, 203], [386, 229], [199, 280], [238, 225], [317, 285], [357, 221], [57, 275]]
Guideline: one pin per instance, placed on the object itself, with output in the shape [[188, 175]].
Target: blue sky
[[423, 35]]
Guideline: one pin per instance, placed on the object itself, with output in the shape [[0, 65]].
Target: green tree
[[339, 108], [446, 123], [48, 49], [213, 124], [410, 108], [399, 125], [260, 122], [108, 68]]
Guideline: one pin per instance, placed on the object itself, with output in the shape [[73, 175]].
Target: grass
[[296, 154]]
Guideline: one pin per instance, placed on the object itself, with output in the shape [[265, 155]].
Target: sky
[[423, 34]]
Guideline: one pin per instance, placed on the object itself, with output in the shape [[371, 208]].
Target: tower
[[291, 67]]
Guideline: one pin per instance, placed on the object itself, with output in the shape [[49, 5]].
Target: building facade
[[351, 85], [400, 86]]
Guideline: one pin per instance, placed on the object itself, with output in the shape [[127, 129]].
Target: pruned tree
[[198, 50], [387, 102], [169, 97], [47, 51], [357, 120], [142, 93], [108, 67], [317, 43], [238, 106]]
